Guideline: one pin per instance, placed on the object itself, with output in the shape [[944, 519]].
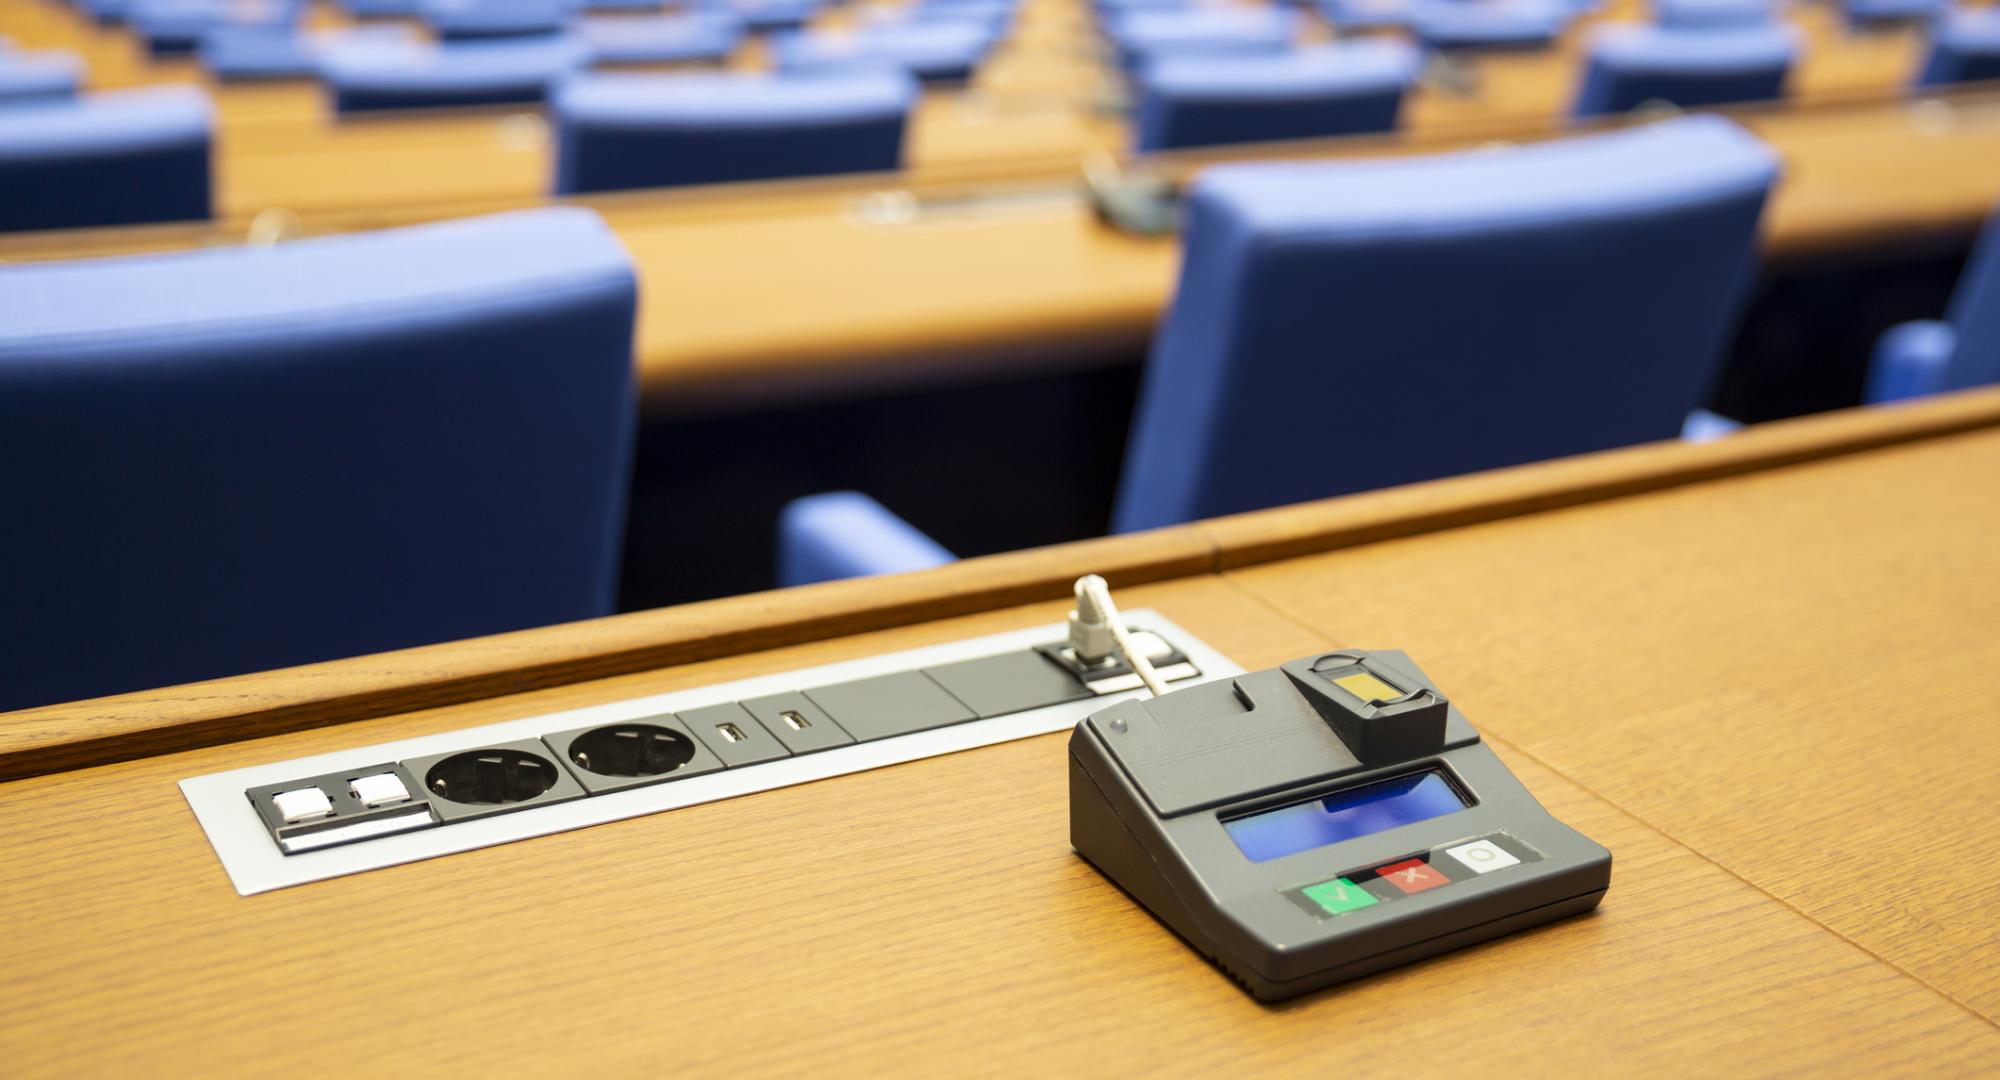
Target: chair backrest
[[1965, 47], [941, 52], [1145, 36], [1339, 89], [29, 77], [1975, 315], [631, 131], [367, 74], [237, 459], [1632, 65], [1715, 14], [121, 157], [470, 20], [1489, 26], [1346, 326], [660, 39]]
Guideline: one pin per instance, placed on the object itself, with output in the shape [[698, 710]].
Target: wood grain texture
[[1792, 672], [926, 918]]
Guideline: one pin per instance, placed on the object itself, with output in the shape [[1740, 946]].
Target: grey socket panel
[[1155, 783], [465, 786]]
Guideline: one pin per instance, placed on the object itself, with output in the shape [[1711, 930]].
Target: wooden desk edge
[[77, 735]]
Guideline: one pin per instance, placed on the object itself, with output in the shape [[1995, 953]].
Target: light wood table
[[1760, 671]]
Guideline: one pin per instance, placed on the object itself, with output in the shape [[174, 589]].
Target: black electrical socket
[[611, 757], [491, 780]]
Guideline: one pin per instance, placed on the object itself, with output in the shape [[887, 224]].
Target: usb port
[[795, 720], [731, 732]]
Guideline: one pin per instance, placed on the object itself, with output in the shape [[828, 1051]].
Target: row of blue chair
[[1210, 78]]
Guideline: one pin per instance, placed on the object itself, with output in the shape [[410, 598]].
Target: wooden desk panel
[[1793, 672], [927, 917]]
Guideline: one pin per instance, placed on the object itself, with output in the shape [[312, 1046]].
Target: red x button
[[1413, 876]]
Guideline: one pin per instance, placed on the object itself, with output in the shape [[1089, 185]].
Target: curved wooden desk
[[1761, 671]]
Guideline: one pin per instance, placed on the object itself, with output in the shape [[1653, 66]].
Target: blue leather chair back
[[367, 74], [30, 77], [1975, 314], [1715, 14], [1489, 26], [1144, 36], [471, 20], [941, 52], [703, 36], [1342, 327], [1339, 89], [238, 459], [1631, 65], [632, 131], [1965, 47], [121, 157]]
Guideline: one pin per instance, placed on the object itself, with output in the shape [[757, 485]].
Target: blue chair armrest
[[845, 534], [1704, 426], [1910, 361]]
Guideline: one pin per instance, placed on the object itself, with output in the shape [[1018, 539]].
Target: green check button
[[1339, 895]]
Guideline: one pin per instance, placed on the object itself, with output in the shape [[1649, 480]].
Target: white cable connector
[[1096, 631]]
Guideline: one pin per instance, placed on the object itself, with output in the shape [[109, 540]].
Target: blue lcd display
[[1344, 815]]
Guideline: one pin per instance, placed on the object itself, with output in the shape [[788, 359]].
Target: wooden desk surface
[[1774, 662]]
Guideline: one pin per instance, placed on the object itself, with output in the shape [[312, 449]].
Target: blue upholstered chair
[[1350, 15], [238, 459], [121, 157], [1338, 89], [844, 534], [373, 75], [382, 9], [175, 27], [1965, 47], [1715, 14], [1346, 326], [698, 37], [254, 53], [1631, 65], [1961, 350], [932, 52], [997, 16], [1489, 26], [631, 131], [1146, 36], [474, 20], [763, 16], [27, 77], [104, 12], [1864, 14]]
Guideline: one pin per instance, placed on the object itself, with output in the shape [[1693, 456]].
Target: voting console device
[[1318, 822]]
